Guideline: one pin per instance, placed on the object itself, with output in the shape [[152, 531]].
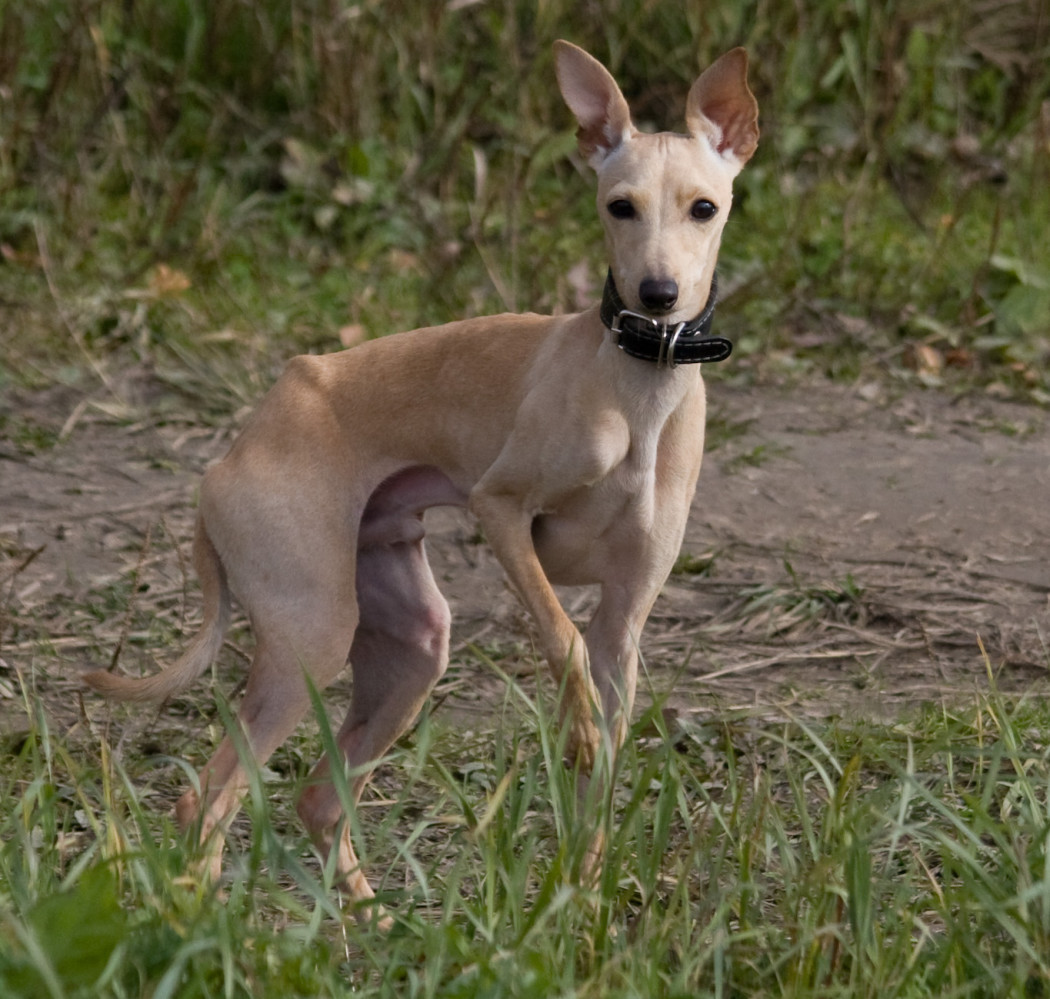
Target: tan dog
[[578, 459]]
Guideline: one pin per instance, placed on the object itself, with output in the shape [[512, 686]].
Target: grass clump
[[786, 609]]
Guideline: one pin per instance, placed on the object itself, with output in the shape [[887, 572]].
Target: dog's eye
[[621, 208], [703, 210]]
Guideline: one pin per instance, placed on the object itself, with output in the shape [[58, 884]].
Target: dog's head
[[664, 198]]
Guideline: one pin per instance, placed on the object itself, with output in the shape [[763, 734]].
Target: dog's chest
[[574, 539]]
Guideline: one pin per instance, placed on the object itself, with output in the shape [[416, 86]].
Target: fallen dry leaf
[[165, 281], [923, 358]]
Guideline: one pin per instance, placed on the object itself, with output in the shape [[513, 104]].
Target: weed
[[694, 565], [756, 456], [28, 437], [790, 608]]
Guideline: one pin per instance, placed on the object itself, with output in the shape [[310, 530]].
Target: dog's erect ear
[[595, 99], [722, 107]]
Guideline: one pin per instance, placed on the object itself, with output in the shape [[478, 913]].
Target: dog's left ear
[[722, 107]]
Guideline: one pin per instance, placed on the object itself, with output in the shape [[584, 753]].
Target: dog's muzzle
[[650, 340]]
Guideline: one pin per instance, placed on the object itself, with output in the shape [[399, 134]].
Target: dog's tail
[[202, 649]]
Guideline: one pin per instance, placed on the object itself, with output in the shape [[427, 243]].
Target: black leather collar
[[646, 338]]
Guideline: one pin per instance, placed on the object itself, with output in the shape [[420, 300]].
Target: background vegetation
[[200, 176], [194, 190]]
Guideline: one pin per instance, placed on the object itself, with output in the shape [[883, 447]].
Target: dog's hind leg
[[301, 641], [400, 650]]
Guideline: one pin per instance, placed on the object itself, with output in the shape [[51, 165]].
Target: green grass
[[746, 857]]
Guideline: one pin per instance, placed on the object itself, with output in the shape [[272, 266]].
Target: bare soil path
[[847, 553]]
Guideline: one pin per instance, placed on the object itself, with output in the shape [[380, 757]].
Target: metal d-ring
[[672, 342]]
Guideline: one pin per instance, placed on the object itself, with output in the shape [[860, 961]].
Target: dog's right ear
[[595, 99]]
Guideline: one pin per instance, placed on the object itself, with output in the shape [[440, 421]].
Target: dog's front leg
[[612, 647], [508, 529]]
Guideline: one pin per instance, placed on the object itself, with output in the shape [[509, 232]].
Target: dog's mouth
[[659, 316]]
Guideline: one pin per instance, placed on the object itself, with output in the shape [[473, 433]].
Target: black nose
[[658, 295]]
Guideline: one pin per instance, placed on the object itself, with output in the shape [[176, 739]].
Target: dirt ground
[[848, 552]]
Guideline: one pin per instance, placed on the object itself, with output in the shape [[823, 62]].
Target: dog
[[575, 440]]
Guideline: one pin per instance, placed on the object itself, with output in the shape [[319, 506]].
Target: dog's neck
[[645, 338]]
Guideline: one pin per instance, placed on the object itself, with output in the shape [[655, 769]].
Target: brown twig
[[129, 614]]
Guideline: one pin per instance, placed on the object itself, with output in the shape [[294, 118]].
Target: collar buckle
[[668, 334], [617, 323]]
